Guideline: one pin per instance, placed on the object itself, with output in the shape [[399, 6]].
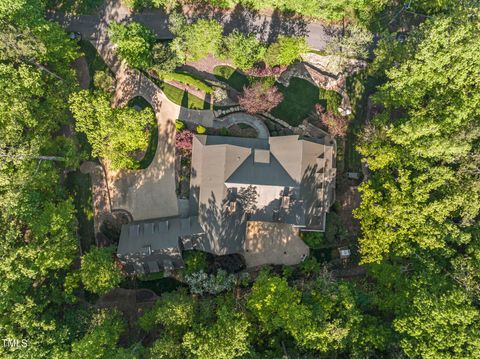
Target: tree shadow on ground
[[287, 24]]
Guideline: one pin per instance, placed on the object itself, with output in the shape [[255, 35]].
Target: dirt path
[[100, 196], [83, 76]]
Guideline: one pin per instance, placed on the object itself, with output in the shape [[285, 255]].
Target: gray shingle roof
[[273, 166]]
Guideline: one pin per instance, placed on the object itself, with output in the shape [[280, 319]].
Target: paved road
[[265, 27]]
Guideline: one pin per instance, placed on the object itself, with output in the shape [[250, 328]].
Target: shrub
[[195, 261], [337, 125], [184, 140], [260, 98], [179, 125], [311, 266], [313, 239], [201, 282], [285, 50], [334, 100], [104, 81], [334, 230], [261, 70], [200, 129], [224, 132]]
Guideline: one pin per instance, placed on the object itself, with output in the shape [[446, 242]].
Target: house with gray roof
[[243, 191]]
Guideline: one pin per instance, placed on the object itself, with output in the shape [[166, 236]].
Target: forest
[[419, 210]]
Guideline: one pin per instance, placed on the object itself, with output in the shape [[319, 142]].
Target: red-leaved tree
[[259, 98], [184, 140], [336, 124]]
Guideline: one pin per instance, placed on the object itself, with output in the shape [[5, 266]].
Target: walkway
[[240, 117]]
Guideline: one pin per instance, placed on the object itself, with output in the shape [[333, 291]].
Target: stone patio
[[273, 243]]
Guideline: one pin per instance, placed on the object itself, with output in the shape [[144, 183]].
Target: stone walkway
[[239, 118]]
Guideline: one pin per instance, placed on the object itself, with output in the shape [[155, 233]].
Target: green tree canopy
[[113, 133], [98, 272], [134, 43], [197, 40], [243, 50], [102, 337], [424, 193], [285, 50]]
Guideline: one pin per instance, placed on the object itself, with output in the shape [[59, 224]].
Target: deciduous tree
[[134, 43], [113, 133], [99, 272], [259, 98]]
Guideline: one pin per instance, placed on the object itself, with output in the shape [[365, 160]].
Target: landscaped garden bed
[[299, 98]]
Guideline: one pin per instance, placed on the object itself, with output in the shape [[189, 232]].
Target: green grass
[[189, 79], [182, 98], [94, 61], [79, 186], [153, 141], [231, 77], [300, 96], [299, 100]]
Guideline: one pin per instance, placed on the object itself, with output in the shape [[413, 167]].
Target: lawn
[[181, 97], [300, 98], [189, 79], [231, 77], [153, 142]]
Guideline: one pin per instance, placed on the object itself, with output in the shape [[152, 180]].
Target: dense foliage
[[134, 43], [98, 272], [38, 236], [114, 133]]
